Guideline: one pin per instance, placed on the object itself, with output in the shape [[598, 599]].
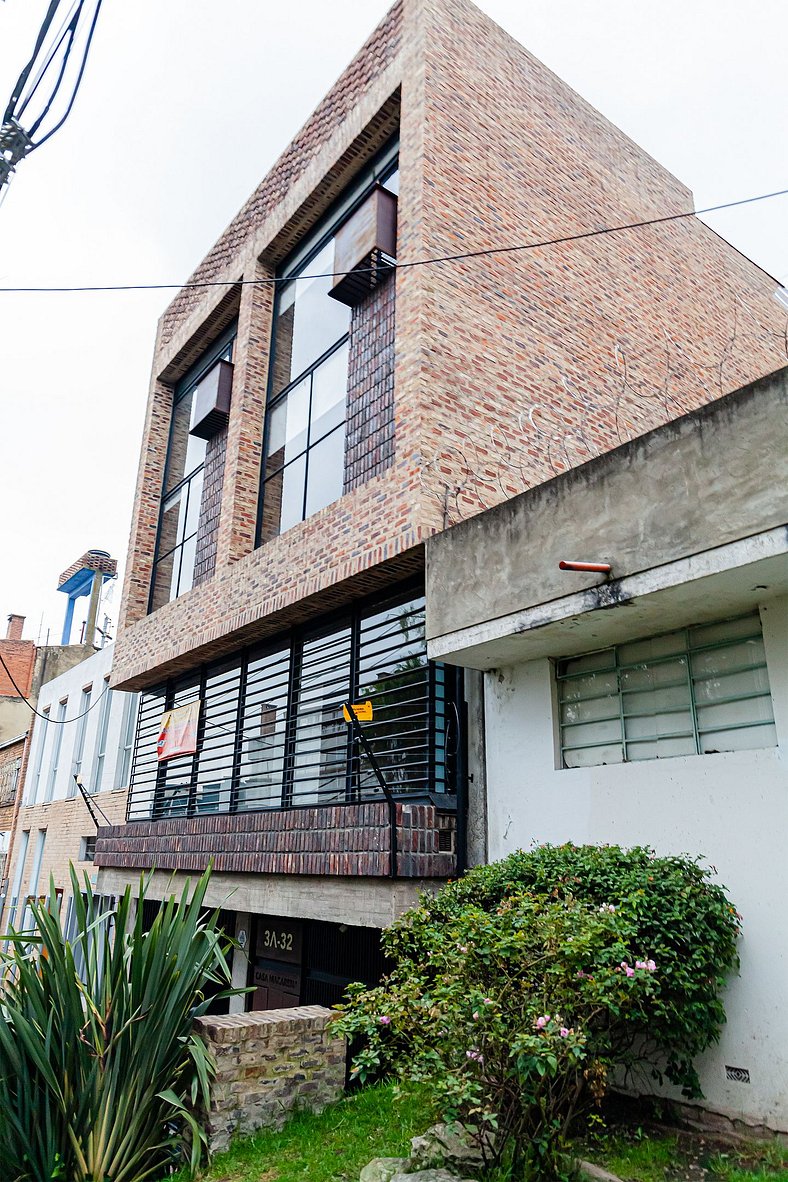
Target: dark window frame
[[383, 165], [179, 797], [183, 387]]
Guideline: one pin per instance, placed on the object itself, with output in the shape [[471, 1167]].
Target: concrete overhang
[[713, 584]]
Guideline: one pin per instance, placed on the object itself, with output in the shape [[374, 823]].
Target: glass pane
[[725, 630], [186, 452], [657, 646], [672, 674], [308, 321], [660, 748], [321, 734], [743, 739], [653, 726], [745, 711], [393, 674], [326, 472], [593, 685], [264, 730], [603, 659], [287, 428], [329, 386], [731, 685], [188, 551], [215, 766], [731, 657], [283, 499], [392, 182], [172, 520], [594, 756], [194, 502], [595, 710]]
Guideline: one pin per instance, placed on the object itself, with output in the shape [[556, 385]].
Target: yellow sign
[[362, 711]]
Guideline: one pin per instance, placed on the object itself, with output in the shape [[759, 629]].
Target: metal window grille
[[694, 691], [271, 731]]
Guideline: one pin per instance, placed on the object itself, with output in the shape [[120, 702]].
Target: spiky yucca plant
[[101, 1072]]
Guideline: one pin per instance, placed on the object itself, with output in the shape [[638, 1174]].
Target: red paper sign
[[178, 734]]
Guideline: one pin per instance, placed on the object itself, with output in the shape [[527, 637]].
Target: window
[[57, 743], [79, 739], [9, 778], [41, 732], [271, 731], [100, 754], [304, 464], [14, 911], [128, 725], [176, 547], [696, 691], [87, 848]]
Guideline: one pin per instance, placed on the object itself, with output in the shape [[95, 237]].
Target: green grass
[[334, 1145], [639, 1157], [331, 1146]]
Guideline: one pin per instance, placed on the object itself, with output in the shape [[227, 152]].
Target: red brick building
[[308, 429]]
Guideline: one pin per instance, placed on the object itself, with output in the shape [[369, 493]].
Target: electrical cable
[[447, 258], [78, 82], [46, 718]]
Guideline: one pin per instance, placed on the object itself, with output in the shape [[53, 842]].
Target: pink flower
[[624, 965], [564, 1032], [651, 966], [475, 1056], [384, 1020], [542, 1022], [476, 1015], [487, 1001], [630, 972], [580, 973]]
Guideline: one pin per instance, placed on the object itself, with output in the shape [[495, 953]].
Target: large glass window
[[304, 464], [57, 743], [79, 739], [182, 495], [100, 755], [272, 731], [697, 691]]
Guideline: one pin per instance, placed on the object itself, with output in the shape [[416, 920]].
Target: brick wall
[[20, 657], [369, 446], [210, 507], [352, 839], [268, 1063]]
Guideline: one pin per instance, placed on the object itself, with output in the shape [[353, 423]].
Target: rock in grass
[[429, 1176], [383, 1169], [446, 1145]]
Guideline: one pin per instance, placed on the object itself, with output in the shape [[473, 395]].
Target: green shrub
[[519, 989], [100, 1070]]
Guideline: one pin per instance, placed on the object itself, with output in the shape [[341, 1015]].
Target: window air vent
[[211, 407], [737, 1074], [365, 248], [446, 841]]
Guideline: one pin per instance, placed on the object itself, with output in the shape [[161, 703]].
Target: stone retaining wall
[[268, 1062]]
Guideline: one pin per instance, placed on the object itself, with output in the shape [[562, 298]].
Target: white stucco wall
[[730, 807]]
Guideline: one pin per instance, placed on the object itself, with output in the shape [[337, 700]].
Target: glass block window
[[692, 692]]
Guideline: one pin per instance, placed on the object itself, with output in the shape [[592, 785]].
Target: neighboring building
[[90, 734], [24, 668], [649, 708], [305, 436]]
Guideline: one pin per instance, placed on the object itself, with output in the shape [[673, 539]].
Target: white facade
[[97, 746], [598, 726], [731, 807]]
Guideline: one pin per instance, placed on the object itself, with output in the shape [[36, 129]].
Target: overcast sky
[[185, 106]]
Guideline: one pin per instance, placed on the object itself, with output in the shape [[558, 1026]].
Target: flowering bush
[[517, 990]]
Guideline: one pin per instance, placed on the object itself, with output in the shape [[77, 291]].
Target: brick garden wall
[[267, 1062]]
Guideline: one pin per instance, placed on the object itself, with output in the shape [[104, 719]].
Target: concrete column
[[240, 962]]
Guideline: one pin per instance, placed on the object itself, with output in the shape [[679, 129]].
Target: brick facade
[[332, 840], [210, 507], [508, 368], [369, 446], [20, 658]]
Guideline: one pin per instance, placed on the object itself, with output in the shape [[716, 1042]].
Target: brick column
[[245, 429]]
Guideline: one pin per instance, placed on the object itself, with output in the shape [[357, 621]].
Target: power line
[[446, 258], [46, 718]]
